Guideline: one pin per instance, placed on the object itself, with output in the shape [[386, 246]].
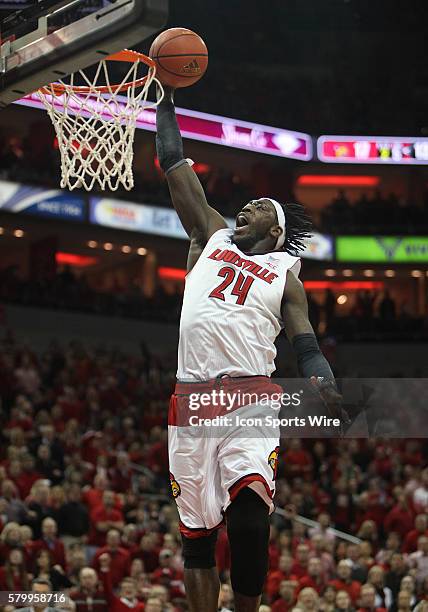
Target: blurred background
[[321, 103]]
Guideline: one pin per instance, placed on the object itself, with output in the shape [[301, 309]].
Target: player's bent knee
[[248, 531], [199, 553]]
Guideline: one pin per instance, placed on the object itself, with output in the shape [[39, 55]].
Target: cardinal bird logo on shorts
[[175, 487], [273, 461]]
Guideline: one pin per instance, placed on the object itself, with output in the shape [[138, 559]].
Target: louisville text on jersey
[[246, 264]]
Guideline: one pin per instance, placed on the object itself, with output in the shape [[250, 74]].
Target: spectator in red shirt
[[157, 456], [13, 575], [287, 596], [129, 537], [148, 552], [93, 496], [367, 600], [88, 596], [410, 543], [300, 566], [103, 518], [314, 577], [275, 577], [399, 518], [121, 475], [127, 598], [50, 542], [298, 461], [120, 559], [343, 581], [170, 578], [343, 602], [29, 475], [308, 600]]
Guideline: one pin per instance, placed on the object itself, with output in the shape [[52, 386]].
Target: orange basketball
[[181, 57]]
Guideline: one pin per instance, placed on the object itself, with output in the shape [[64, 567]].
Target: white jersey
[[231, 311]]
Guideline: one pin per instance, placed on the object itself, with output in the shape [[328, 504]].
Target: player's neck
[[259, 248]]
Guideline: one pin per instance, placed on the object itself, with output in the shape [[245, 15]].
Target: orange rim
[[121, 56]]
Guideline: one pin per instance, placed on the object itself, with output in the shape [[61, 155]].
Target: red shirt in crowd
[[307, 581], [398, 519], [94, 497], [352, 588], [410, 543], [25, 481], [298, 570], [55, 547], [171, 579], [99, 515], [17, 584], [119, 565], [89, 602], [115, 603], [274, 579], [281, 605], [298, 462]]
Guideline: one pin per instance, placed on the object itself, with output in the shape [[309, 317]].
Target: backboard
[[52, 38]]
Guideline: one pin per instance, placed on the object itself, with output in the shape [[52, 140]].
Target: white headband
[[281, 222]]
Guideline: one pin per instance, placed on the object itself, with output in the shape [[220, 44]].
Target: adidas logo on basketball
[[191, 68]]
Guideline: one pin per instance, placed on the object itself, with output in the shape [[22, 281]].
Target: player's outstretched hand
[[331, 398]]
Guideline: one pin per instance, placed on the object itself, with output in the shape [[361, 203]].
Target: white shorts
[[209, 465]]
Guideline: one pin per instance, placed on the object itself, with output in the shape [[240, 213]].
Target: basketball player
[[241, 290]]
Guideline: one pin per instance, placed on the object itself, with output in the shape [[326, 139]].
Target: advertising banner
[[17, 198], [165, 222], [373, 150], [382, 249], [221, 130]]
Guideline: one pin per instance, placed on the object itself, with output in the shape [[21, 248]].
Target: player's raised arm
[[198, 218], [310, 360]]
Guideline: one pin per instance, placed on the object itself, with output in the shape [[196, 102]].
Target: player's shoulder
[[224, 234], [287, 262]]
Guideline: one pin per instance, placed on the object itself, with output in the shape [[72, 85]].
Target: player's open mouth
[[241, 220]]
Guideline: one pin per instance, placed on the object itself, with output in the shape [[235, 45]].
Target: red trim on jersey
[[228, 383], [198, 532], [245, 481], [237, 391], [172, 412]]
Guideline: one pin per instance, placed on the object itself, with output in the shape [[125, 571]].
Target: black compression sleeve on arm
[[310, 360], [169, 145]]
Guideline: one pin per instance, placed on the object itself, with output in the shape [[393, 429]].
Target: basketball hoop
[[95, 126]]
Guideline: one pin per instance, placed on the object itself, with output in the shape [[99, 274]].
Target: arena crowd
[[85, 503]]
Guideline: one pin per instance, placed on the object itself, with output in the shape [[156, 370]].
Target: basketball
[[181, 57]]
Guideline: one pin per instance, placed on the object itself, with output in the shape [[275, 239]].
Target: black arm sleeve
[[310, 360], [169, 145]]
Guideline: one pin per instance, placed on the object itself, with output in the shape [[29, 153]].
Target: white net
[[95, 125]]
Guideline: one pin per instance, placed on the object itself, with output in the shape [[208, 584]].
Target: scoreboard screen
[[372, 150]]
